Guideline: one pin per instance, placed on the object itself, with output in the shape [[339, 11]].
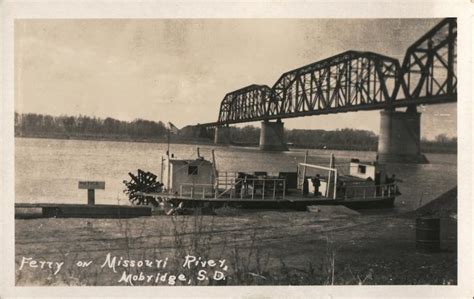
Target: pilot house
[[181, 173]]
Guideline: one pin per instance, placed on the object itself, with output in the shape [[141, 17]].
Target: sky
[[179, 70]]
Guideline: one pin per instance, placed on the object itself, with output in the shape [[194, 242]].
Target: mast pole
[[169, 163]]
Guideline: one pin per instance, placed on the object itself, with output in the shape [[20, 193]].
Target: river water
[[48, 170]]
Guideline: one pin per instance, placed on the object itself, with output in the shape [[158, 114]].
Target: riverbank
[[121, 138], [259, 248]]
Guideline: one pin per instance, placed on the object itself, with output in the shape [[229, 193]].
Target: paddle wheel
[[143, 182]]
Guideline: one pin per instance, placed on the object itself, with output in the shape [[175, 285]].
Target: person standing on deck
[[316, 183]]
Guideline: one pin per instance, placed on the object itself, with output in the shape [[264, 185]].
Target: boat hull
[[299, 205]]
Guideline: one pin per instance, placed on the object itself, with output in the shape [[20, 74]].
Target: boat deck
[[289, 201]]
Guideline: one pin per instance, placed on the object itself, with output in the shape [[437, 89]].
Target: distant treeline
[[85, 127], [441, 144], [38, 125], [344, 139]]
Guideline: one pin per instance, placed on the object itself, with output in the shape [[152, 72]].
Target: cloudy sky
[[179, 70]]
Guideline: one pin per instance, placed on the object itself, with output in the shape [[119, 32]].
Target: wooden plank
[[28, 212], [91, 185]]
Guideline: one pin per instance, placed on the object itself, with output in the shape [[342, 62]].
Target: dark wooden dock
[[50, 210]]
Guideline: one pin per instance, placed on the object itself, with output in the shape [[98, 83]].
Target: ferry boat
[[191, 183]]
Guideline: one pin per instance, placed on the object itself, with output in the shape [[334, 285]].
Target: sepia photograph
[[224, 152]]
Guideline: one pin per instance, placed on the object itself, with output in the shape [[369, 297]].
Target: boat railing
[[226, 179], [368, 192], [261, 188], [239, 188], [196, 190]]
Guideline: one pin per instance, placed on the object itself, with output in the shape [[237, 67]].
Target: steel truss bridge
[[353, 81]]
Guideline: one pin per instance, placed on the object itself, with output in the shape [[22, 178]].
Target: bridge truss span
[[348, 81], [428, 72], [353, 81], [250, 102]]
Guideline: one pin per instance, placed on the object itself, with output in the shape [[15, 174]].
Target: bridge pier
[[222, 135], [272, 136], [399, 139]]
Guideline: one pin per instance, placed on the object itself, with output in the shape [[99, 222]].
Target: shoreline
[[327, 247], [202, 141]]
